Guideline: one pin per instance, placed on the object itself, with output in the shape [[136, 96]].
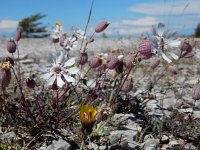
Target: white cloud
[[146, 21], [133, 31], [168, 7], [128, 27], [8, 24]]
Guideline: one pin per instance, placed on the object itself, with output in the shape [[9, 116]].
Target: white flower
[[164, 39], [61, 72], [57, 31], [79, 33], [70, 43]]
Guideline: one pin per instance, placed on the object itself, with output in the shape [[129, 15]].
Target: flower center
[[88, 116], [57, 69]]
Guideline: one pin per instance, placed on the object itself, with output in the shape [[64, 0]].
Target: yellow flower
[[88, 114], [58, 24], [5, 65]]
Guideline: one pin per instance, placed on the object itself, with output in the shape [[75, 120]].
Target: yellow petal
[[58, 23], [88, 114]]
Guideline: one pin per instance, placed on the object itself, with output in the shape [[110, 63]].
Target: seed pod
[[145, 48], [155, 64], [5, 77], [11, 46], [96, 62], [128, 85], [83, 59], [172, 69], [30, 83], [196, 91], [18, 35], [101, 27]]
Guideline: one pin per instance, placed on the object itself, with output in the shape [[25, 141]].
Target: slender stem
[[21, 92], [19, 74], [82, 144], [57, 106], [20, 87], [88, 21]]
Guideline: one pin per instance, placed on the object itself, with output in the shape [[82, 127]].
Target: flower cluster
[[66, 41]]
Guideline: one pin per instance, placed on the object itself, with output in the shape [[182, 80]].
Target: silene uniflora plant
[[81, 93]]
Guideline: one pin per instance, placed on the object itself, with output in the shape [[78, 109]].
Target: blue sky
[[127, 17]]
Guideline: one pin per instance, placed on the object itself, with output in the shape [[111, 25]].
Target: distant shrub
[[197, 30], [31, 27]]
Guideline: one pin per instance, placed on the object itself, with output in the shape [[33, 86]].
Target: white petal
[[42, 68], [170, 34], [69, 78], [154, 39], [73, 70], [160, 29], [46, 76], [70, 62], [174, 56], [173, 43], [60, 82], [165, 58], [51, 80]]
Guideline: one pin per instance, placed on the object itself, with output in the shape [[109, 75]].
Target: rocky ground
[[170, 98]]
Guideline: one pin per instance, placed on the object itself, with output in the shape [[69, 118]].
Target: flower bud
[[55, 40], [30, 83], [103, 66], [11, 46], [18, 35], [185, 46], [115, 62], [196, 91], [96, 62], [172, 69], [145, 48], [110, 74], [83, 58], [128, 85], [101, 27]]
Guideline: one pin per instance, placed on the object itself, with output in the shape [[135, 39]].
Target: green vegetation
[[30, 25]]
